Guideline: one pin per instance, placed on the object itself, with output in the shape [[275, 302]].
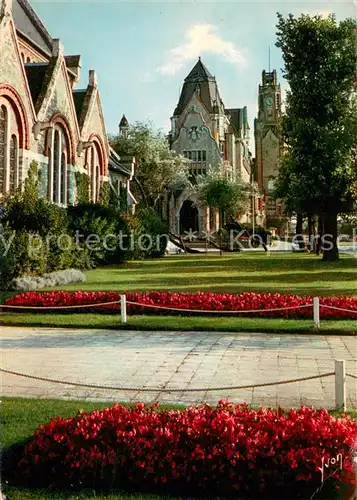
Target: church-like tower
[[208, 134], [268, 147]]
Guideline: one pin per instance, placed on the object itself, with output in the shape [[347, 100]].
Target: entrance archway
[[188, 217]]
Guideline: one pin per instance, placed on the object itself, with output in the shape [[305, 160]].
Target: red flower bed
[[227, 450], [194, 302]]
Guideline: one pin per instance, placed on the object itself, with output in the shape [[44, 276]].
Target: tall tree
[[230, 198], [319, 128], [157, 167]]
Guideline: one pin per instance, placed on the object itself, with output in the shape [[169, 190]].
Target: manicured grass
[[232, 273], [301, 274], [20, 418], [178, 323]]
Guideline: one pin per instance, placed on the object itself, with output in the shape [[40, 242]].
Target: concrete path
[[176, 360]]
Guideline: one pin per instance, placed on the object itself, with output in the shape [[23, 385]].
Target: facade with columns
[[43, 117], [208, 134]]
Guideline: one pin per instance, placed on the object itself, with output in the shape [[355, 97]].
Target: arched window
[[97, 182], [56, 166], [64, 179], [3, 152], [28, 60], [13, 166], [49, 175], [94, 170]]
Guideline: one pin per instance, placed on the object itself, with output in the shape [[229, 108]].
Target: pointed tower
[[207, 134], [123, 126]]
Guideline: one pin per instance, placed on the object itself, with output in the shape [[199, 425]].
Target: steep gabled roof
[[238, 119], [199, 73], [78, 98], [200, 80], [115, 164], [124, 122], [29, 25], [35, 76]]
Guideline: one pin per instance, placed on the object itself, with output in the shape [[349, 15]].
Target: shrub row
[[195, 302], [211, 451], [44, 237]]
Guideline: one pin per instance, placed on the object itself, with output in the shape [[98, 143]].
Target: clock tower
[[268, 145]]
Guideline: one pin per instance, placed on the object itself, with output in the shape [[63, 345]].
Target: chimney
[[73, 63], [57, 48], [93, 78]]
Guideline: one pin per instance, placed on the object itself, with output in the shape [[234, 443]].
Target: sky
[[142, 51]]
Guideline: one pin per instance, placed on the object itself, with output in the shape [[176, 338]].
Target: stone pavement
[[176, 360]]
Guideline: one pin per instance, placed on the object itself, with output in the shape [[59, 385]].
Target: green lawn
[[20, 418], [232, 273], [302, 274]]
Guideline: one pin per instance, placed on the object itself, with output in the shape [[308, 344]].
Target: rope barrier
[[350, 375], [220, 311], [339, 308], [177, 309], [152, 306], [162, 389]]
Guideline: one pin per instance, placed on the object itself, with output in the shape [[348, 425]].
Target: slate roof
[[124, 122], [238, 118], [200, 79], [29, 25], [199, 73], [78, 98], [36, 73], [72, 61], [82, 99], [116, 165]]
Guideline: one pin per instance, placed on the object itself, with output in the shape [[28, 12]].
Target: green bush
[[149, 228], [96, 228], [27, 255]]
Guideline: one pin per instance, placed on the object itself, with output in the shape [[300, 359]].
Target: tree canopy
[[319, 129], [157, 167], [215, 190]]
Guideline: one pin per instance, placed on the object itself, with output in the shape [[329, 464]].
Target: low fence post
[[316, 312], [123, 308], [340, 384]]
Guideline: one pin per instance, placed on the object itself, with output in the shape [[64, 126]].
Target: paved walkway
[[176, 360]]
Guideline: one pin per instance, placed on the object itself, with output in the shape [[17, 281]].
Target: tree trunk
[[138, 183], [320, 231], [329, 240], [311, 232], [298, 233]]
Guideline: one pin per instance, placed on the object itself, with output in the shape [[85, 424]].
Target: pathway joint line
[[157, 389]]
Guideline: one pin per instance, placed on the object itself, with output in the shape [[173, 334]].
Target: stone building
[[268, 148], [206, 133], [43, 117]]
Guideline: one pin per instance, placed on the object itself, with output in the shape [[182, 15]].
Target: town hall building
[[208, 134]]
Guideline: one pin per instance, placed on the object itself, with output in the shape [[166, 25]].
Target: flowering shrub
[[227, 450], [195, 302], [48, 280]]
